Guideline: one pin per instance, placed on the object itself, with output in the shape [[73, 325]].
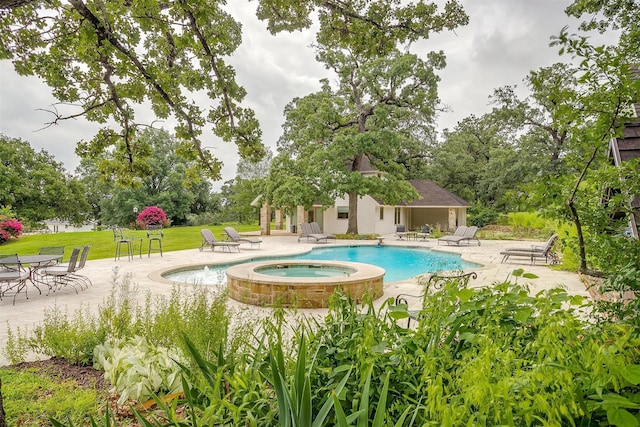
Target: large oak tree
[[381, 95], [109, 58]]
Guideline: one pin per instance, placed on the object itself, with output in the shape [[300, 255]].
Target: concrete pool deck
[[26, 314]]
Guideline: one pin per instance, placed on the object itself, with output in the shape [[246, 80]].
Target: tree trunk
[[574, 212], [582, 252], [352, 227]]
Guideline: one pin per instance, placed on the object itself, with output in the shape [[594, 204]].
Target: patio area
[[26, 314]]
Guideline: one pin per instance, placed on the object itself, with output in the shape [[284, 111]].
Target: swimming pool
[[399, 263]]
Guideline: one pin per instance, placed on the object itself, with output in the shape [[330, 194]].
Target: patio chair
[[84, 281], [534, 252], [234, 236], [401, 231], [466, 235], [435, 282], [52, 250], [154, 234], [62, 275], [425, 231], [307, 233], [13, 277], [127, 241], [315, 229], [208, 239]]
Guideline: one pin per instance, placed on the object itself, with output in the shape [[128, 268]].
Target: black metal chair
[[13, 277], [62, 275], [125, 241], [155, 234], [435, 282]]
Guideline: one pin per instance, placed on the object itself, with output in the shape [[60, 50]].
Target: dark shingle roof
[[434, 196], [627, 148]]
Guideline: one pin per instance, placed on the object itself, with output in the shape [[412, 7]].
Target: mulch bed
[[84, 376]]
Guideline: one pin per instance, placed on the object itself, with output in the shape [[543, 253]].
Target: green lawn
[[103, 246]]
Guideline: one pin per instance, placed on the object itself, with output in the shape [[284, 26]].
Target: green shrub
[[481, 216], [196, 312], [356, 236]]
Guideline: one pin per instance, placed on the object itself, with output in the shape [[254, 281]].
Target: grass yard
[[103, 246]]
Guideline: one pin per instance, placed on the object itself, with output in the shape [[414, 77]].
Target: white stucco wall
[[369, 221]]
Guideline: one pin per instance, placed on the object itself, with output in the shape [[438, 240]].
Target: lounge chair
[[315, 229], [208, 239], [456, 234], [463, 234], [534, 252], [234, 236], [307, 233]]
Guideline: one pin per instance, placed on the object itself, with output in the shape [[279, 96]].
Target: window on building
[[381, 213], [343, 212], [396, 216]]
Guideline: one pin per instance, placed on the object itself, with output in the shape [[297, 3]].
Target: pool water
[[305, 270], [400, 263]]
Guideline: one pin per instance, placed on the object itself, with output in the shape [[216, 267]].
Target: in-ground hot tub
[[302, 283]]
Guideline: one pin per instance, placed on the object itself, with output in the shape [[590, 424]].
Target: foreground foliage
[[489, 356]]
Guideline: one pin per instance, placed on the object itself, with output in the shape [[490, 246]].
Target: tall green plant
[[294, 398]]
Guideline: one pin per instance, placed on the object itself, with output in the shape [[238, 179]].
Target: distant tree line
[[37, 188]]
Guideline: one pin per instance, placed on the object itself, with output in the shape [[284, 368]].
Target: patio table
[[34, 262], [409, 235]]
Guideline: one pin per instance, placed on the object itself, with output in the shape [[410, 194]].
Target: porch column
[[303, 216], [265, 220], [279, 219], [452, 219]]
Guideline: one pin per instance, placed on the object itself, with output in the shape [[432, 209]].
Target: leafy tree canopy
[[37, 187], [109, 58], [168, 183], [331, 134]]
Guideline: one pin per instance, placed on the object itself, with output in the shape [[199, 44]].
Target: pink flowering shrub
[[9, 227], [151, 215]]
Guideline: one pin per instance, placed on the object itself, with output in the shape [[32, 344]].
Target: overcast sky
[[503, 41]]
